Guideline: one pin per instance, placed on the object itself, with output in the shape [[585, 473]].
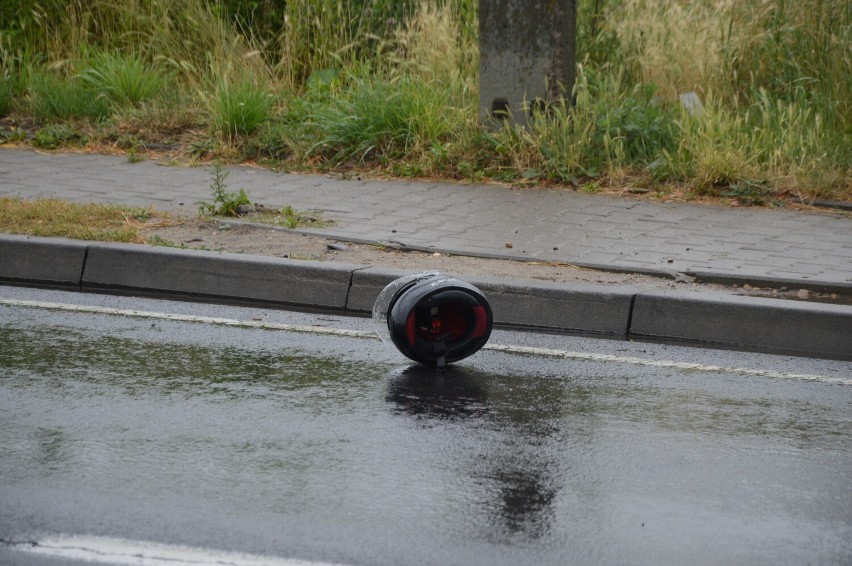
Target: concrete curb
[[574, 309], [46, 261], [234, 277], [720, 321], [752, 323]]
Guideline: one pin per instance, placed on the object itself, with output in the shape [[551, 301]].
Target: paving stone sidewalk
[[781, 247]]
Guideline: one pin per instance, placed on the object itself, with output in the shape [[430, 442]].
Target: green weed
[[224, 203], [157, 240], [133, 156], [288, 217], [591, 187], [634, 123], [56, 135], [132, 146], [12, 135], [749, 193], [141, 213], [201, 148]]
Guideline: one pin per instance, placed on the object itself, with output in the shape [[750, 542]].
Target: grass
[[391, 86], [55, 97], [379, 120], [288, 217], [239, 107], [7, 93], [123, 80], [608, 128], [54, 217], [113, 223]]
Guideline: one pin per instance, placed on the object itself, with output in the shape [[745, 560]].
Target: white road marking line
[[686, 366], [91, 309], [122, 552], [506, 348]]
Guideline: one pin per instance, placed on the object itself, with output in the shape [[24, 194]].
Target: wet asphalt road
[[333, 449]]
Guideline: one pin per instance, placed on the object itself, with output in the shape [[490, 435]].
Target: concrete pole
[[526, 57]]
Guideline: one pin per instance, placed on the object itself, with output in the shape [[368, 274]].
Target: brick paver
[[490, 221]]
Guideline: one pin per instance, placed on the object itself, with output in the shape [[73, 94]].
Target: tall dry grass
[[187, 35], [775, 77], [734, 49]]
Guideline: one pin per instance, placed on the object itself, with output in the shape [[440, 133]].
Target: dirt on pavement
[[239, 237]]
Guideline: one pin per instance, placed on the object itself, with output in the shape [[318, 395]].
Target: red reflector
[[481, 321], [409, 328]]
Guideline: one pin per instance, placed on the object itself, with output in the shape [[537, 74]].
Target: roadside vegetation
[[237, 204], [52, 217], [391, 87], [117, 223], [59, 218]]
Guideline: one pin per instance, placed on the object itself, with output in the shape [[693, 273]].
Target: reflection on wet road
[[331, 449]]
